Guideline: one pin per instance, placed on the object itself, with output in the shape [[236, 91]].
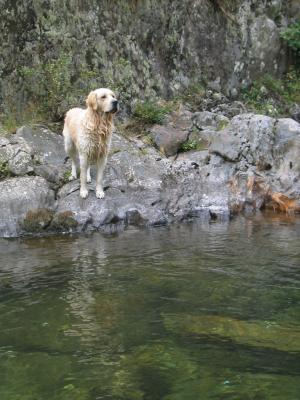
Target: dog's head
[[102, 100]]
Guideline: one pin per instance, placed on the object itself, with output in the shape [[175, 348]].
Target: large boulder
[[265, 153], [208, 120], [35, 150], [47, 150], [168, 139], [249, 138], [16, 155]]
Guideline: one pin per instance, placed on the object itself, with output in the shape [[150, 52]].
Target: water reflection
[[198, 309]]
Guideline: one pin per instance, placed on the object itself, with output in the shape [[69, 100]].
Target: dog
[[87, 134]]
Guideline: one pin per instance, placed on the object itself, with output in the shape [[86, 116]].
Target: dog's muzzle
[[115, 106]]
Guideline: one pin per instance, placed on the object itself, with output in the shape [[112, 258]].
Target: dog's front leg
[[100, 168], [83, 176]]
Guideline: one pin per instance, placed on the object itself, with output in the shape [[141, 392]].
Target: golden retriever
[[87, 132]]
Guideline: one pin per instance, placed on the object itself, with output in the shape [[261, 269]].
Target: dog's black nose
[[115, 105]]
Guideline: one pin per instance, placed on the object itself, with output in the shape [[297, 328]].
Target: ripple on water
[[177, 312]]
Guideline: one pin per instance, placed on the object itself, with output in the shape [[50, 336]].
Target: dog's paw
[[84, 193], [100, 194], [72, 178], [89, 179]]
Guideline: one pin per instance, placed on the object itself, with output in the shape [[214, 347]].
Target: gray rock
[[248, 136], [247, 161], [47, 148], [286, 153], [17, 197], [17, 155], [295, 112], [229, 110], [168, 139], [180, 119], [206, 119]]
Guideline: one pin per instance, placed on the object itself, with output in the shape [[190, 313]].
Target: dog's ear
[[91, 101]]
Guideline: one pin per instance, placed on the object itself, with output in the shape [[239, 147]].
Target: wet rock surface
[[251, 163]]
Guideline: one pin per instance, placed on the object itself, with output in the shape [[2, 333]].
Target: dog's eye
[[103, 97]]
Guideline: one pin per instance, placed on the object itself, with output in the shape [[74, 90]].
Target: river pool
[[185, 312]]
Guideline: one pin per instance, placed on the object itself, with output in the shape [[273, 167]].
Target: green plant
[[192, 145], [151, 112], [4, 170], [292, 36], [52, 87], [67, 176], [272, 96]]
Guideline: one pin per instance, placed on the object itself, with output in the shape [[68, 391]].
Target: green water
[[189, 312]]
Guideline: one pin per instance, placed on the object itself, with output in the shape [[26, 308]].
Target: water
[[189, 312]]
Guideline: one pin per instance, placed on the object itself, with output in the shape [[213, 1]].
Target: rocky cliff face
[[144, 47]]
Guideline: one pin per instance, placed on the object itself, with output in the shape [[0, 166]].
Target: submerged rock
[[251, 333]]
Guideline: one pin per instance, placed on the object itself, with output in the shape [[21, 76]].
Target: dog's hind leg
[[71, 152], [83, 176]]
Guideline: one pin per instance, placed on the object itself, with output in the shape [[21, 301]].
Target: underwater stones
[[252, 333]]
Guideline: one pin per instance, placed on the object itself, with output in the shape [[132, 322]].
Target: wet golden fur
[[87, 133]]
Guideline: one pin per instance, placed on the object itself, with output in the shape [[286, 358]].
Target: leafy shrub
[[51, 86], [273, 96], [189, 145], [151, 112], [4, 170], [192, 145], [292, 36]]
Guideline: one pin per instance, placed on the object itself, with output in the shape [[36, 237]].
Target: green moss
[[222, 125], [252, 333], [64, 221], [37, 220], [166, 364]]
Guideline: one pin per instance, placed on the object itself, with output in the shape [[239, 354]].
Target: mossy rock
[[37, 220], [64, 221], [251, 333]]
